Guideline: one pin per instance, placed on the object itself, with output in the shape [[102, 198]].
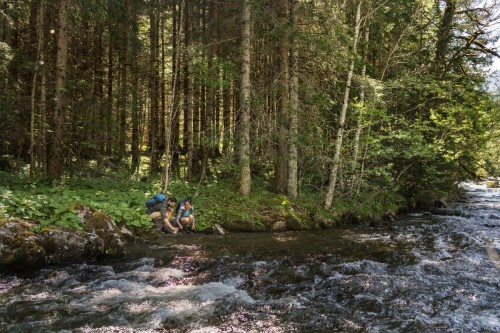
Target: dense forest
[[336, 97]]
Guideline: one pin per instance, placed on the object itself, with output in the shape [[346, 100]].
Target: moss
[[98, 220]]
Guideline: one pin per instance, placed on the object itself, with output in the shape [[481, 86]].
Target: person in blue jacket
[[184, 220]]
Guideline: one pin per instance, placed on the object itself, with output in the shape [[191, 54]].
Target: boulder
[[104, 226], [279, 226], [218, 230], [19, 247], [63, 246]]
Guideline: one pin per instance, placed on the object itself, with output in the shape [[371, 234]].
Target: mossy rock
[[104, 226], [297, 219], [20, 248]]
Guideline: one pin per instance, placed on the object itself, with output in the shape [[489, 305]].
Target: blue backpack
[[154, 200]]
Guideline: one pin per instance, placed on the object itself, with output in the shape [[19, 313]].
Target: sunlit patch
[[114, 329], [210, 329], [166, 273], [107, 294], [8, 285], [351, 324], [40, 296], [187, 247], [473, 297], [141, 307], [284, 238]]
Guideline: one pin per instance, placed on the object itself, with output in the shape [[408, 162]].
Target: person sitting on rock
[[162, 214], [184, 219]]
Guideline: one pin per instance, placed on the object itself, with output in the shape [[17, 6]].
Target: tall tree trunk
[[107, 116], [55, 167], [244, 144], [38, 65], [226, 116], [122, 117], [176, 85], [98, 93], [281, 160], [154, 130], [208, 92], [136, 153], [163, 79], [173, 117], [359, 121], [294, 106], [197, 88], [340, 131], [43, 115], [188, 93]]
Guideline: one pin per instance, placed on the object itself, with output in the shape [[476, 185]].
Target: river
[[422, 273]]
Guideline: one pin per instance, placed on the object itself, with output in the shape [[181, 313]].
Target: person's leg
[[156, 219], [185, 221]]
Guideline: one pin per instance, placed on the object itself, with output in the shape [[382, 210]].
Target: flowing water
[[422, 273]]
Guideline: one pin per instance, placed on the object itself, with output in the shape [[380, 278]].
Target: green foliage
[[55, 205]]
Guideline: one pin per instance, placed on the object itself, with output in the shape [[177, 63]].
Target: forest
[[387, 102]]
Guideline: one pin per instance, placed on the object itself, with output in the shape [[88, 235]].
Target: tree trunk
[[43, 116], [281, 160], [55, 167], [98, 94], [359, 121], [188, 93], [107, 116], [226, 117], [122, 117], [244, 144], [177, 24], [154, 130], [163, 95], [38, 65], [136, 153], [207, 95], [294, 106], [340, 131]]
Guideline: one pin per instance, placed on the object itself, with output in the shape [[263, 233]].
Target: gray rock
[[279, 226], [218, 230], [69, 246], [19, 247]]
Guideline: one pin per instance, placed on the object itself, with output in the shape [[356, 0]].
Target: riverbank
[[46, 222]]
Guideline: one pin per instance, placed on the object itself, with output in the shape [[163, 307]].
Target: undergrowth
[[53, 203]]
